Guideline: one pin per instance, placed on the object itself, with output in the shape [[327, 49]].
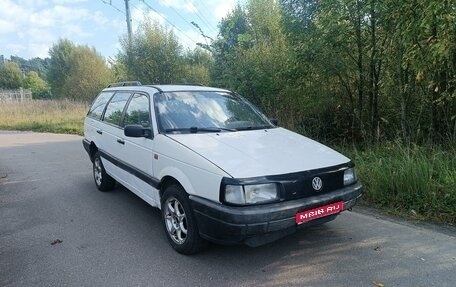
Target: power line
[[178, 14], [205, 19], [110, 4], [169, 22], [196, 27], [201, 17], [126, 13]]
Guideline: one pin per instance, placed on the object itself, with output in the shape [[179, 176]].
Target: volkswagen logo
[[317, 183]]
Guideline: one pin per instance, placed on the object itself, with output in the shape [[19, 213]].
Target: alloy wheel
[[176, 220]]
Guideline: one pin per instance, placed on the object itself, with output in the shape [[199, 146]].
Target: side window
[[115, 108], [99, 104], [138, 112]]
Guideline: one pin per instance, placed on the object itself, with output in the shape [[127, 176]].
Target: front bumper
[[260, 224]]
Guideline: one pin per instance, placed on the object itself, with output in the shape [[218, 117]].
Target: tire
[[103, 181], [179, 221]]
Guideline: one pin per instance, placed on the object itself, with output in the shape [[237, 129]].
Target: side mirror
[[274, 121], [137, 131]]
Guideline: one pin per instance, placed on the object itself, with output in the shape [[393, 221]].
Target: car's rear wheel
[[179, 222], [103, 181]]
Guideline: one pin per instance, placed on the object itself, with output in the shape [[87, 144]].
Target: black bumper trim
[[86, 145], [263, 223]]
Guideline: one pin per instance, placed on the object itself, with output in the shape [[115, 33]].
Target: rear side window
[[138, 111], [99, 104], [115, 108]]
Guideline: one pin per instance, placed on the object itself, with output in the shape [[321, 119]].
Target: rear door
[[93, 127], [112, 146]]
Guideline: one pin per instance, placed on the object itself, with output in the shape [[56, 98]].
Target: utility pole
[[127, 14]]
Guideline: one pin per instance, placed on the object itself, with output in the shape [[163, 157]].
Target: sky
[[28, 28]]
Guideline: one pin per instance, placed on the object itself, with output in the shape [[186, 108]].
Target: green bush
[[418, 181]]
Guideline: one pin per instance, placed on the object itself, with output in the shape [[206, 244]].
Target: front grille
[[299, 185]]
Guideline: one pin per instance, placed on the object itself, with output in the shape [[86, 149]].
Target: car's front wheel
[[103, 181], [179, 221]]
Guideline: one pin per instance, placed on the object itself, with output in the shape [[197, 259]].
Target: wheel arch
[[165, 182], [92, 150], [175, 176]]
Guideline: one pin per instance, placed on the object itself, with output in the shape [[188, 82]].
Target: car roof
[[176, 88], [165, 88]]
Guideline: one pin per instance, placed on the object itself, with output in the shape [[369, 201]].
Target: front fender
[[195, 181], [178, 175]]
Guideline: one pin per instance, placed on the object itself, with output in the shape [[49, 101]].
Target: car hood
[[255, 153]]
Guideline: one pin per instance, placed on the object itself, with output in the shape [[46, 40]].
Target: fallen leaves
[[57, 241]]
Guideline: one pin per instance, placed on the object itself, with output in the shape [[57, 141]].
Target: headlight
[[234, 194], [250, 194], [349, 176]]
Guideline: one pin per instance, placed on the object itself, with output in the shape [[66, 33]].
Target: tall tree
[[88, 75], [251, 56], [60, 65], [233, 36], [347, 70], [10, 76], [77, 72], [424, 67], [153, 55]]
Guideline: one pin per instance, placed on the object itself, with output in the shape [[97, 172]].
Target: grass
[[54, 116], [415, 182]]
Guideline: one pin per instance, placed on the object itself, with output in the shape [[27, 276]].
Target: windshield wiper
[[195, 130], [223, 129], [254, 127]]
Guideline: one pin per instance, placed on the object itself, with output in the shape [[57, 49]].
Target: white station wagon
[[218, 169]]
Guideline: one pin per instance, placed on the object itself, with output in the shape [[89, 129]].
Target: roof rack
[[125, 84], [189, 84], [160, 90], [155, 87]]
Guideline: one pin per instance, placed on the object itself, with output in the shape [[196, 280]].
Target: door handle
[[99, 132], [121, 141]]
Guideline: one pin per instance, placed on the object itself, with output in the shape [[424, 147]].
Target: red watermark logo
[[319, 212]]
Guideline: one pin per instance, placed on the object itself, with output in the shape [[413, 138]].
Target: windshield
[[206, 111]]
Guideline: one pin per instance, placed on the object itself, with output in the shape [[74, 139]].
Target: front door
[[138, 152]]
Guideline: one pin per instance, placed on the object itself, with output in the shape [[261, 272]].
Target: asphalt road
[[47, 195]]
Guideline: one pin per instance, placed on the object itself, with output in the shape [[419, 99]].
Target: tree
[[89, 74], [10, 76], [77, 72], [35, 64], [252, 55], [195, 66], [39, 87], [118, 70], [60, 64], [153, 55], [234, 34], [424, 68], [361, 71]]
